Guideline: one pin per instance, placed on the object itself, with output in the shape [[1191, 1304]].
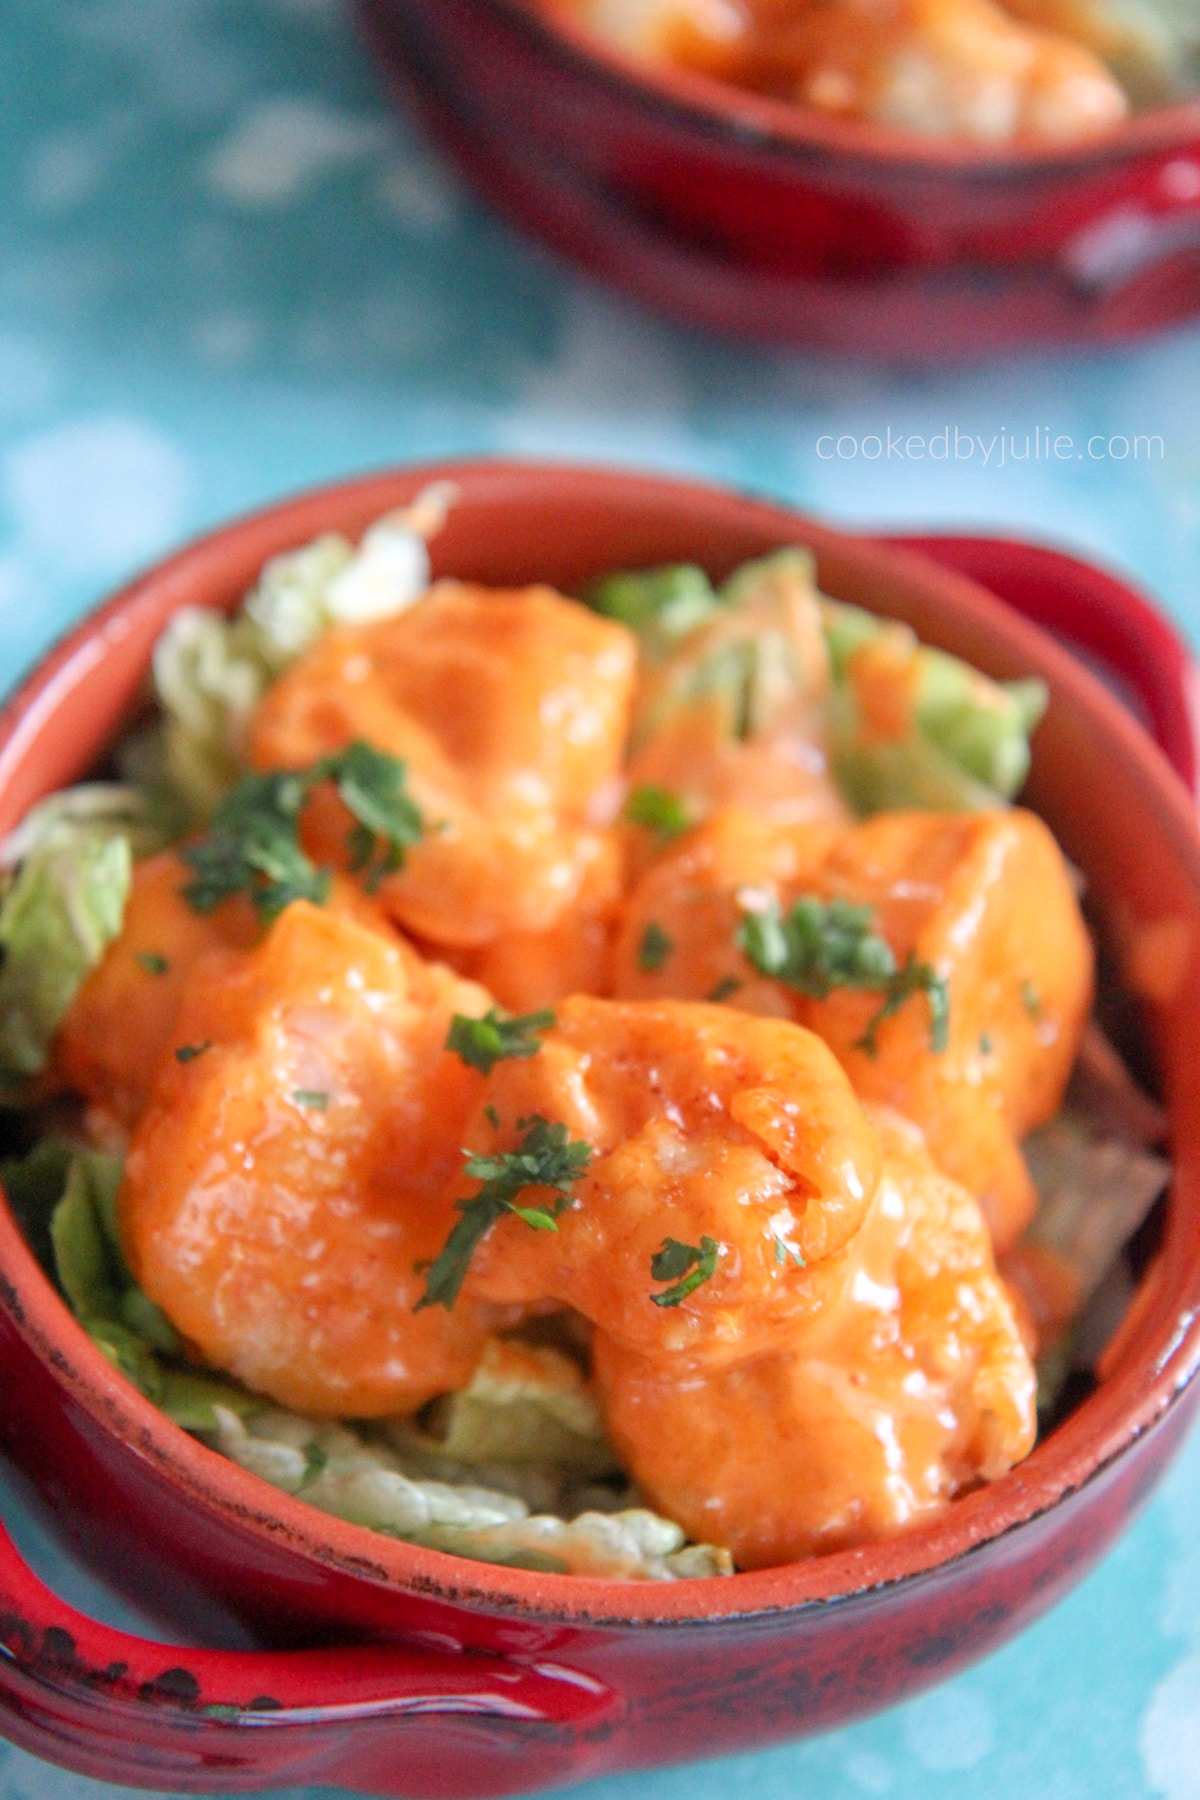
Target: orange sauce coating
[[703, 1122], [910, 1383], [283, 1182], [854, 1359], [510, 712], [985, 899]]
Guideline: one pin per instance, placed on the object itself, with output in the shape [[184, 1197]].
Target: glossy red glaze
[[484, 1680], [771, 221]]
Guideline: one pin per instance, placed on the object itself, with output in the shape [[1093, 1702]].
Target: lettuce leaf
[[61, 909], [211, 672]]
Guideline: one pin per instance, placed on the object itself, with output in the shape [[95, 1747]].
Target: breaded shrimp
[[909, 1385], [510, 711], [945, 68], [703, 1123], [292, 1164], [111, 1042], [983, 900]]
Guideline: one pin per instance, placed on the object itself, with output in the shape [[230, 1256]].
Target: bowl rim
[[759, 121], [1159, 1362]]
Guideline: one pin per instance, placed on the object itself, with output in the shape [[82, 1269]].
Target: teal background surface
[[227, 270]]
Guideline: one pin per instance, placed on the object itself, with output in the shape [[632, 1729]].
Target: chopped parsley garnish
[[387, 824], [253, 843], [785, 1252], [253, 847], [1031, 1000], [313, 1097], [152, 962], [914, 978], [986, 1045], [724, 989], [654, 948], [685, 1265], [544, 1158], [658, 809], [826, 944], [819, 946], [482, 1043], [189, 1052]]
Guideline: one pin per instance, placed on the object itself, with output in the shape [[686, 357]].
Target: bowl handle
[[1117, 629], [391, 1719]]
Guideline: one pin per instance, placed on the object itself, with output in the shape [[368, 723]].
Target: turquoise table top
[[228, 270]]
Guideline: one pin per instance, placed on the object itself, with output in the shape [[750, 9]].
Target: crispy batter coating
[[985, 899], [288, 1174], [908, 1385], [703, 1122], [510, 711], [113, 1038]]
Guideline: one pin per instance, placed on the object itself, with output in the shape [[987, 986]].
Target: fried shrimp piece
[[291, 1164], [908, 1386], [111, 1041], [981, 902], [529, 970], [945, 68], [121, 1021], [704, 1124], [510, 711]]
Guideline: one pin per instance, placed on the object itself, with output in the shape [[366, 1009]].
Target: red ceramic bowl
[[771, 221], [464, 1679]]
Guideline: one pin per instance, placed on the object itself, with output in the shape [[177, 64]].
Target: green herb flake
[[686, 1266], [986, 1045], [658, 809], [153, 963], [187, 1053], [253, 847], [311, 1097], [545, 1158], [724, 990], [482, 1043], [785, 1252], [1031, 1000], [253, 843], [654, 948], [373, 788], [820, 945], [914, 978]]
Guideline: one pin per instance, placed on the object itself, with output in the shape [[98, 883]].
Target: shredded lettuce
[[753, 650], [766, 643], [1095, 1190], [364, 1479], [61, 906], [211, 672], [964, 745], [65, 1197], [523, 1405], [662, 605]]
